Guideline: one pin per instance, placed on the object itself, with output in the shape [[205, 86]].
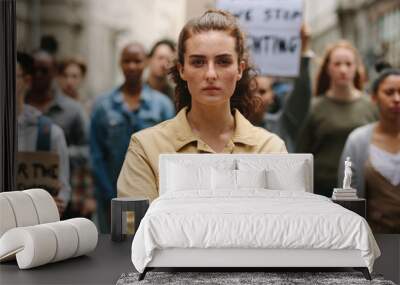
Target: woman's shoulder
[[267, 141], [264, 134], [259, 138], [362, 132], [164, 129]]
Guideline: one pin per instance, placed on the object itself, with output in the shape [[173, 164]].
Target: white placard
[[273, 32]]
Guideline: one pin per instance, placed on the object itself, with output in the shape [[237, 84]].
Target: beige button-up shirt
[[139, 173]]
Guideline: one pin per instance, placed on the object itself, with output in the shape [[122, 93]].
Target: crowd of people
[[202, 95]]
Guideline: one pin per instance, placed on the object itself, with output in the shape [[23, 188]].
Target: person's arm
[[297, 104], [97, 154], [306, 138], [137, 178]]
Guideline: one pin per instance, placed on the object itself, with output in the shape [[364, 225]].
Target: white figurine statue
[[347, 174]]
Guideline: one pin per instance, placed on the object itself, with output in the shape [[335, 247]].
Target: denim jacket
[[112, 125]]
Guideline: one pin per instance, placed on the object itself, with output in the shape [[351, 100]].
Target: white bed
[[230, 211]]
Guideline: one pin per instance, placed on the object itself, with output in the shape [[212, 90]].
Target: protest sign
[[273, 32], [38, 170]]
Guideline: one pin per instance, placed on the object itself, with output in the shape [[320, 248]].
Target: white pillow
[[223, 179], [278, 180], [235, 179], [183, 177], [202, 160], [282, 174], [251, 178]]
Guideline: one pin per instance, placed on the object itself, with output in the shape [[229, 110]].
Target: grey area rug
[[269, 278]]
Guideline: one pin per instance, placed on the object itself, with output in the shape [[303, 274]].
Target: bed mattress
[[250, 219]]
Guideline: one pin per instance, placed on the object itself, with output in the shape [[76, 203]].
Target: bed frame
[[246, 259], [250, 258]]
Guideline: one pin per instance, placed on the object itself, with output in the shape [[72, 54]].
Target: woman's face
[[342, 67], [264, 90], [388, 97], [133, 62], [71, 77], [161, 61], [211, 67]]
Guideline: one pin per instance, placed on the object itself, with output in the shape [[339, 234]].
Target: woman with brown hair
[[71, 73], [339, 107], [213, 98]]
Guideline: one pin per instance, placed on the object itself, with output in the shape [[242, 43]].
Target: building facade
[[96, 30], [371, 25]]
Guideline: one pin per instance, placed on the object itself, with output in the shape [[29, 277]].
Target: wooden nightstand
[[358, 206]]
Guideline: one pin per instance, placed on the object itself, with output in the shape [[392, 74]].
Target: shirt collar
[[183, 130], [243, 132], [145, 96]]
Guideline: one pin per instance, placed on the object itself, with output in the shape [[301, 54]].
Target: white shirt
[[27, 129], [386, 163]]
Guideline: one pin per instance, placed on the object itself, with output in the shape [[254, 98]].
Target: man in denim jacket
[[131, 107]]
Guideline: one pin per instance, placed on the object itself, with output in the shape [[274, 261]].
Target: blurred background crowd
[[81, 64]]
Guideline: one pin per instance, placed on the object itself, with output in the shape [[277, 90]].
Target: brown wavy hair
[[217, 20], [63, 64], [323, 81]]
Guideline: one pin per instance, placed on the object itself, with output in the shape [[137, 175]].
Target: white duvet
[[252, 218]]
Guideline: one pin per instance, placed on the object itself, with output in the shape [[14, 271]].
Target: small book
[[345, 198], [341, 190], [345, 194], [345, 191]]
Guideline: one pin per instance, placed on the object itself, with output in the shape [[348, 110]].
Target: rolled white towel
[[33, 246], [52, 242], [26, 208], [7, 218], [45, 205], [23, 208], [66, 238], [87, 235]]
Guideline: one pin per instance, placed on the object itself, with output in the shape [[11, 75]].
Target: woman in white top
[[375, 152]]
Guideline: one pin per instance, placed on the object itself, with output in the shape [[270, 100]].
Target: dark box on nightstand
[[126, 214]]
